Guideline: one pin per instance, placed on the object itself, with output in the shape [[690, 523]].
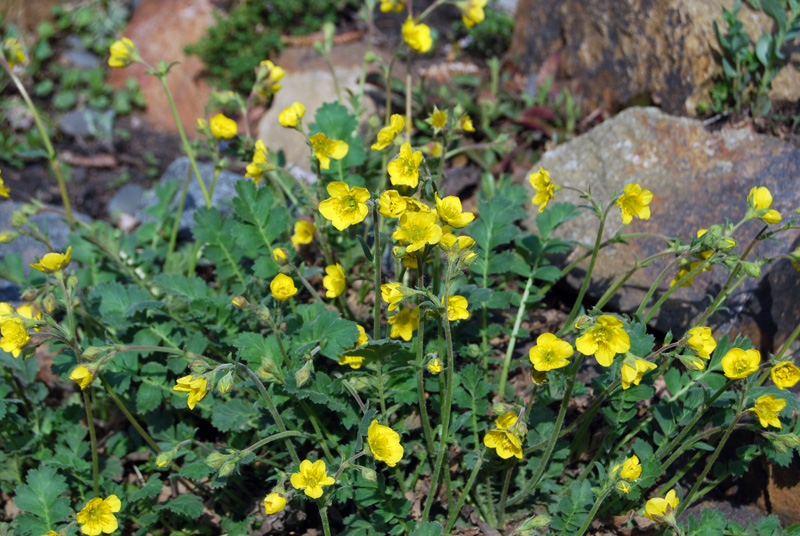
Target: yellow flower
[[463, 244], [335, 281], [418, 36], [456, 308], [82, 376], [404, 323], [223, 127], [326, 148], [684, 270], [466, 124], [15, 336], [391, 295], [292, 115], [392, 5], [123, 53], [437, 119], [449, 210], [506, 443], [4, 192], [280, 255], [388, 133], [738, 363], [282, 287], [631, 375], [311, 478], [384, 444], [472, 12], [259, 165], [418, 229], [26, 311], [346, 206], [404, 170], [550, 353], [53, 262], [634, 202], [197, 388], [785, 375], [355, 362], [268, 76], [631, 469], [391, 204], [604, 340], [435, 366], [98, 516], [274, 503], [303, 232], [767, 409], [760, 198], [657, 508], [702, 342], [545, 190], [13, 51]]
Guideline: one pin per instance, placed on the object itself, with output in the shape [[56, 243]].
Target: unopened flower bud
[[92, 352], [369, 474], [198, 367], [18, 218], [302, 376], [529, 526], [583, 322], [225, 384], [6, 237], [751, 269], [49, 303], [473, 351], [501, 408], [239, 302], [281, 256], [165, 457], [227, 468], [216, 459], [29, 295]]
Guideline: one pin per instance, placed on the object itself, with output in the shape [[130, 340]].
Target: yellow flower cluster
[[418, 36]]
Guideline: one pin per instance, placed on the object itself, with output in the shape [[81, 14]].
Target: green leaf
[[253, 346], [377, 350], [428, 528], [231, 415], [151, 390], [150, 489], [119, 302], [216, 231], [262, 221], [495, 227], [642, 343], [334, 120], [186, 505], [555, 215], [41, 497], [327, 328]]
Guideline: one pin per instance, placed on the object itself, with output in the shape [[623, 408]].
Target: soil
[[93, 181]]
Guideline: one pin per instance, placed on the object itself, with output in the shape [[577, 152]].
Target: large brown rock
[[617, 51], [699, 178], [161, 30]]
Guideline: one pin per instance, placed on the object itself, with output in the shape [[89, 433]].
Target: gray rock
[[698, 178], [82, 59], [126, 199], [29, 249], [224, 191], [87, 123]]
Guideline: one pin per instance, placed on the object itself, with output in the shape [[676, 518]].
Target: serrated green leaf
[[186, 505], [495, 227], [150, 489], [116, 300], [555, 215], [642, 343], [232, 414], [327, 328], [41, 497], [262, 221], [196, 470], [428, 529], [253, 346]]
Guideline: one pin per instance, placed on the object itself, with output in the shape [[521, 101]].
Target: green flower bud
[[224, 385], [302, 376], [369, 474], [216, 459], [165, 457]]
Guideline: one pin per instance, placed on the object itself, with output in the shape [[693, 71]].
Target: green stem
[[592, 513], [624, 279], [446, 400], [588, 276], [672, 445], [128, 414], [93, 438], [515, 332], [501, 512], [276, 437], [687, 500], [173, 236], [271, 408], [51, 153], [326, 524], [277, 333], [453, 515], [678, 284], [376, 309], [186, 146], [725, 288], [534, 481], [321, 439], [787, 344], [423, 408]]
